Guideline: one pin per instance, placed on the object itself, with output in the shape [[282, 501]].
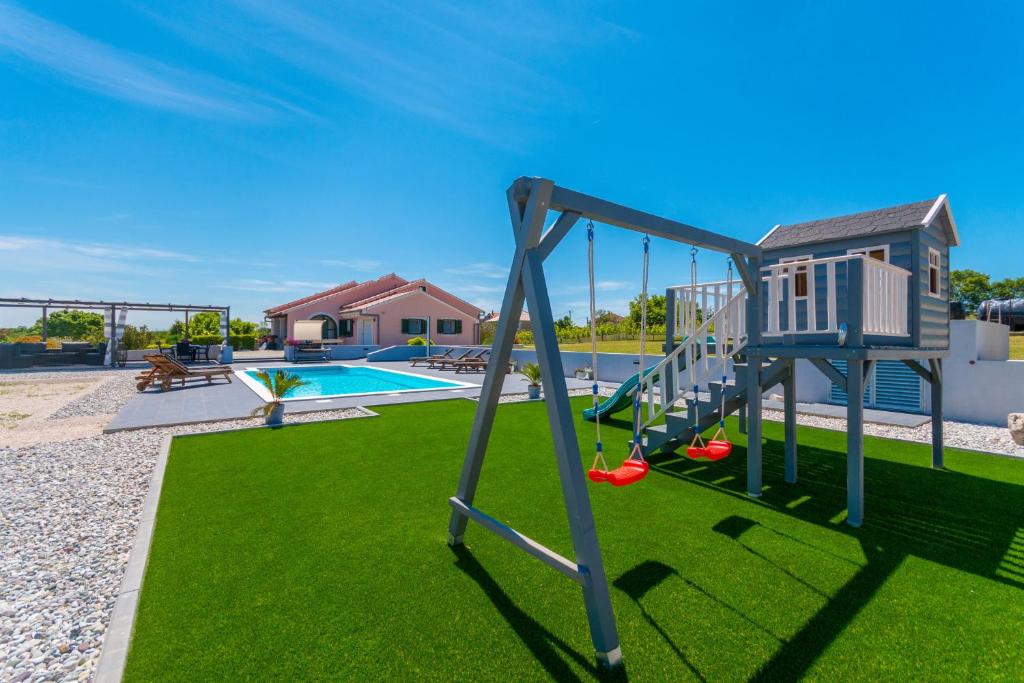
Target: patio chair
[[202, 352], [183, 350], [165, 370]]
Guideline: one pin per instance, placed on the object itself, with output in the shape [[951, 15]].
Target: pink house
[[387, 311]]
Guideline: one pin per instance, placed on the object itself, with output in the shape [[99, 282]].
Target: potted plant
[[289, 348], [583, 373], [531, 371], [278, 384]]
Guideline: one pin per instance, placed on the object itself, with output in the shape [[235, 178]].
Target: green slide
[[620, 400]]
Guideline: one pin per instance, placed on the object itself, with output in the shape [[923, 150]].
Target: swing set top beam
[[609, 213]]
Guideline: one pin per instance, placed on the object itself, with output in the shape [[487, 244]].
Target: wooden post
[[789, 395], [855, 302], [668, 381], [45, 335], [855, 443], [754, 465], [936, 385]]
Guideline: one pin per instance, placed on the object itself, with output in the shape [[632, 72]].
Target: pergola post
[[46, 335]]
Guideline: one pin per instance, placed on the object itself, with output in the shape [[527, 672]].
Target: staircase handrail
[[665, 375]]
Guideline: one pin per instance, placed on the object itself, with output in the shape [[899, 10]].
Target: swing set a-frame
[[781, 313], [529, 201]]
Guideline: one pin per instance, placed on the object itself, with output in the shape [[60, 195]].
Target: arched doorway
[[330, 326]]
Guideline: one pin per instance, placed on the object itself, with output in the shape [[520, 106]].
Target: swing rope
[[634, 468], [693, 351], [599, 456], [716, 448], [637, 451]]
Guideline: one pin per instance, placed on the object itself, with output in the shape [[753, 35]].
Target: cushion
[[75, 346]]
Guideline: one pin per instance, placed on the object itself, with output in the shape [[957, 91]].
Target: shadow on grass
[[964, 522], [636, 583], [547, 648]]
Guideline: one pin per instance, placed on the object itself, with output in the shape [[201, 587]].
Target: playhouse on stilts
[[843, 293]]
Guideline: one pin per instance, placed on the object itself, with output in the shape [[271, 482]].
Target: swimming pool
[[331, 381]]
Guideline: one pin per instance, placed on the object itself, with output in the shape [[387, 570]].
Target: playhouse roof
[[894, 218]]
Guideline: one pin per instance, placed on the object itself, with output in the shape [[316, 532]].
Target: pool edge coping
[[121, 627], [262, 392]]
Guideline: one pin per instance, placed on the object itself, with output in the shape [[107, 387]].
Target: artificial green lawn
[[318, 552]]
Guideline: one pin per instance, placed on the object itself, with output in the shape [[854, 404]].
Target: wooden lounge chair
[[477, 364], [470, 356], [164, 370], [439, 361], [429, 359]]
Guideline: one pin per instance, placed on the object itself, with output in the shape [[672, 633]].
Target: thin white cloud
[[251, 285], [482, 269], [95, 66], [360, 264], [476, 289], [92, 249]]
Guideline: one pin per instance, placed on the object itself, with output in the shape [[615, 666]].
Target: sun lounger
[[164, 370], [469, 356], [478, 364], [430, 359], [439, 362]]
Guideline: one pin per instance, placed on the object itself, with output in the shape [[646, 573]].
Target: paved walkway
[[202, 402]]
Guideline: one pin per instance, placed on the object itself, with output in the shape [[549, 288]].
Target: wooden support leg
[[936, 386], [789, 394], [855, 443], [754, 475]]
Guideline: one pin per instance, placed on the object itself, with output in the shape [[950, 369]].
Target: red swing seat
[[712, 450], [628, 473]]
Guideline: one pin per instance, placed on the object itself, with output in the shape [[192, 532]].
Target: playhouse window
[[414, 326], [878, 253], [449, 326], [934, 262], [800, 275]]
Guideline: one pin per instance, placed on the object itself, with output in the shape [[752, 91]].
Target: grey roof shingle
[[855, 225]]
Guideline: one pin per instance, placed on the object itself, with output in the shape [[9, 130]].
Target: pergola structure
[[115, 313]]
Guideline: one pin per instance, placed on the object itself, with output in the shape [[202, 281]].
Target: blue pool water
[[340, 380]]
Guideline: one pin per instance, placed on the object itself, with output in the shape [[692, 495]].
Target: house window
[[346, 328], [799, 275], [878, 253], [934, 263], [414, 326], [449, 326], [329, 329]]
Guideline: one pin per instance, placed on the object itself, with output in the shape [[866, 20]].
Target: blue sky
[[247, 152]]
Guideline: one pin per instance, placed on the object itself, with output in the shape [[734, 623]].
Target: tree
[[72, 324], [1009, 288], [563, 324], [969, 287], [239, 326], [655, 310]]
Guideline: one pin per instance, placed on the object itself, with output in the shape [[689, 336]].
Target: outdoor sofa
[[28, 354]]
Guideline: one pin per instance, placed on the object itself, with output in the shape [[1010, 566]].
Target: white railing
[[661, 388], [885, 297]]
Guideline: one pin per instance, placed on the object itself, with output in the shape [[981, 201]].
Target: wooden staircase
[[679, 425]]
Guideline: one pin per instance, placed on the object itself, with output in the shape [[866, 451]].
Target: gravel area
[[68, 515], [519, 398], [985, 438], [106, 399]]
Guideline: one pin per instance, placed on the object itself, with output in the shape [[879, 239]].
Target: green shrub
[[240, 342], [419, 341]]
